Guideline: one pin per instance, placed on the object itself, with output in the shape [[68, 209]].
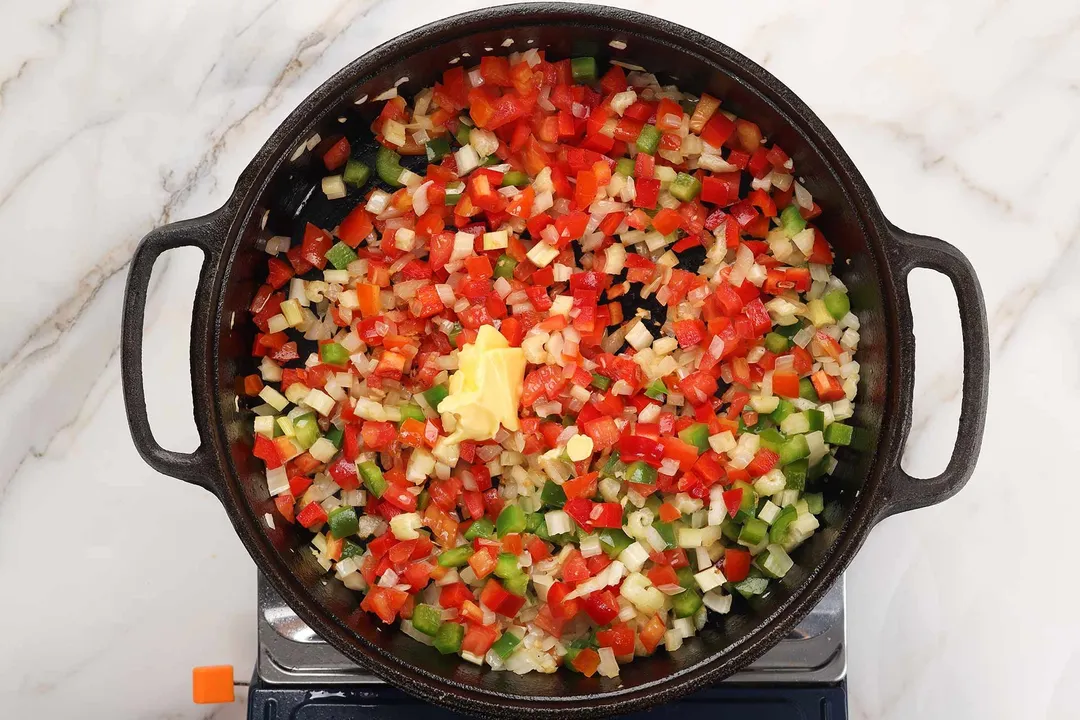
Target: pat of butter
[[486, 389]]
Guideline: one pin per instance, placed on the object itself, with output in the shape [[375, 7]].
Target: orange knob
[[212, 684]]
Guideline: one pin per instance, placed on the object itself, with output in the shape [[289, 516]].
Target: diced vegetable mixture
[[638, 273]]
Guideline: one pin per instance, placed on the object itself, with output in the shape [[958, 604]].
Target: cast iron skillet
[[874, 258]]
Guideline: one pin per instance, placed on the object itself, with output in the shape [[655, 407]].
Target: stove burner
[[290, 652]]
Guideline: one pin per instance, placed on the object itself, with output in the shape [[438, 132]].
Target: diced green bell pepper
[[649, 139], [686, 577], [411, 412], [771, 439], [815, 503], [779, 528], [752, 586], [613, 467], [462, 133], [388, 166], [423, 499], [552, 495], [455, 557], [510, 520], [427, 619], [436, 395], [696, 435], [583, 69], [667, 531], [816, 419], [506, 566], [436, 149], [373, 478], [356, 173], [749, 496], [795, 448], [613, 541], [482, 528], [783, 409], [791, 221], [453, 194], [307, 430], [455, 331], [806, 390], [448, 638], [600, 382], [333, 353], [517, 584], [505, 645], [351, 549], [343, 521], [656, 389], [795, 473], [838, 434], [776, 343], [641, 472], [504, 266], [515, 178], [730, 529], [625, 167], [753, 532], [685, 187], [686, 603], [334, 435], [837, 303]]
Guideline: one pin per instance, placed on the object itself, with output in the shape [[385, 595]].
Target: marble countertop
[[117, 116]]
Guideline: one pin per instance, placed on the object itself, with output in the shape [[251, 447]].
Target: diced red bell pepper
[[828, 387], [384, 602], [497, 599], [736, 564], [602, 607], [312, 515]]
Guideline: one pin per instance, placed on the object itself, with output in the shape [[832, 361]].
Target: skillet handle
[[207, 234], [908, 252]]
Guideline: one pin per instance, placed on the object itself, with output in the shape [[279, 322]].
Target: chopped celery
[[685, 187], [815, 503], [462, 133], [517, 584], [774, 561], [625, 167], [307, 430], [649, 139]]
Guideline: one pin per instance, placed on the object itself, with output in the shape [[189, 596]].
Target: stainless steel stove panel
[[291, 653]]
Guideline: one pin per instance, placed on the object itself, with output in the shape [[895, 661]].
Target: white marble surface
[[119, 115]]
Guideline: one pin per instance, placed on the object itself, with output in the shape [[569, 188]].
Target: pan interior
[[291, 196]]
